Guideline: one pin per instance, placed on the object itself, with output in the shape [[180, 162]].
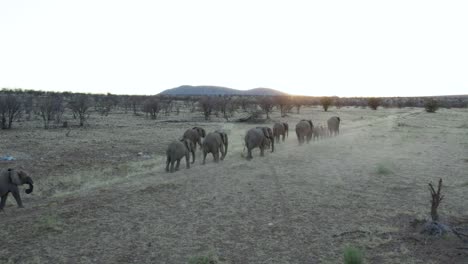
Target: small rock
[[140, 154]]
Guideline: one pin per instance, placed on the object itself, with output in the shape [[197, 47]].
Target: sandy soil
[[97, 201]]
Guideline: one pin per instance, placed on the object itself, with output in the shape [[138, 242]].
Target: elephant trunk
[[29, 181]]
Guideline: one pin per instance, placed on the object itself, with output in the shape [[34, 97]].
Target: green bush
[[431, 105], [352, 255], [373, 103], [210, 259]]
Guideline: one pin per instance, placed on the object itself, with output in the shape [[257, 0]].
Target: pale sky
[[343, 48]]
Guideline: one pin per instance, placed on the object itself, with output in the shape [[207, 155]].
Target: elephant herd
[[263, 138], [215, 143]]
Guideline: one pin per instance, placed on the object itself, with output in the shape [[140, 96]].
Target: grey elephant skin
[[259, 137], [215, 143], [178, 150], [280, 129], [334, 125], [318, 132], [10, 179], [195, 134], [304, 131]]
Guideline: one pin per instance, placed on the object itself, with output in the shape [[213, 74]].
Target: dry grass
[[97, 201]]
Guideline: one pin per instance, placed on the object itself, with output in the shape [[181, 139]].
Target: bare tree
[[436, 199], [284, 104], [206, 105], [80, 105], [152, 106], [266, 104], [46, 109], [10, 108]]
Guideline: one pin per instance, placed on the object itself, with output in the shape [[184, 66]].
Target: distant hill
[[218, 90]]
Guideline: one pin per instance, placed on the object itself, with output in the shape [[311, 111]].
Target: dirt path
[[300, 204]]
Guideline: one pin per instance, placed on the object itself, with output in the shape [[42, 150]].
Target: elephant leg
[[249, 153], [168, 161], [262, 153], [204, 156], [223, 152], [17, 197], [3, 201], [283, 137], [172, 165], [177, 164], [187, 161]]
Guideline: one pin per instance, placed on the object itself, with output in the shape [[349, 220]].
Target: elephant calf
[[214, 143], [176, 151], [334, 125], [280, 129], [304, 131], [10, 179], [259, 137]]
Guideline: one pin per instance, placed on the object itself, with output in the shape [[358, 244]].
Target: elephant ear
[[286, 126], [338, 118], [203, 132], [310, 122], [265, 132], [14, 177]]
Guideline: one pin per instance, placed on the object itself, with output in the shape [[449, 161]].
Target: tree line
[[50, 106]]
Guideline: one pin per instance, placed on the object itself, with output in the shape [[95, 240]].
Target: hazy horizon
[[345, 49]]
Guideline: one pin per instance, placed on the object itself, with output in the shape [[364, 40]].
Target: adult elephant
[[195, 134], [304, 131], [176, 151], [259, 137], [280, 129], [334, 125], [215, 143], [10, 179]]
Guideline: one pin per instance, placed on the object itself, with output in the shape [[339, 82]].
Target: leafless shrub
[[10, 109], [266, 103], [284, 104], [207, 105], [152, 106], [50, 107], [80, 105]]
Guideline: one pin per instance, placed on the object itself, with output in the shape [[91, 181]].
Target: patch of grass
[[352, 255], [209, 259], [50, 223], [382, 170]]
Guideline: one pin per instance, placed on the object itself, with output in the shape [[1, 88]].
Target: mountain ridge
[[219, 90]]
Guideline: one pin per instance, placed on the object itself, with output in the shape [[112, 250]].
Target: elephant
[[214, 143], [304, 131], [195, 134], [316, 133], [176, 151], [334, 125], [10, 179], [280, 129], [259, 137]]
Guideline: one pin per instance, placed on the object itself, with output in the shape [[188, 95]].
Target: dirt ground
[[97, 200]]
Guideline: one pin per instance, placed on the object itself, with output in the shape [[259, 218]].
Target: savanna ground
[[97, 201]]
